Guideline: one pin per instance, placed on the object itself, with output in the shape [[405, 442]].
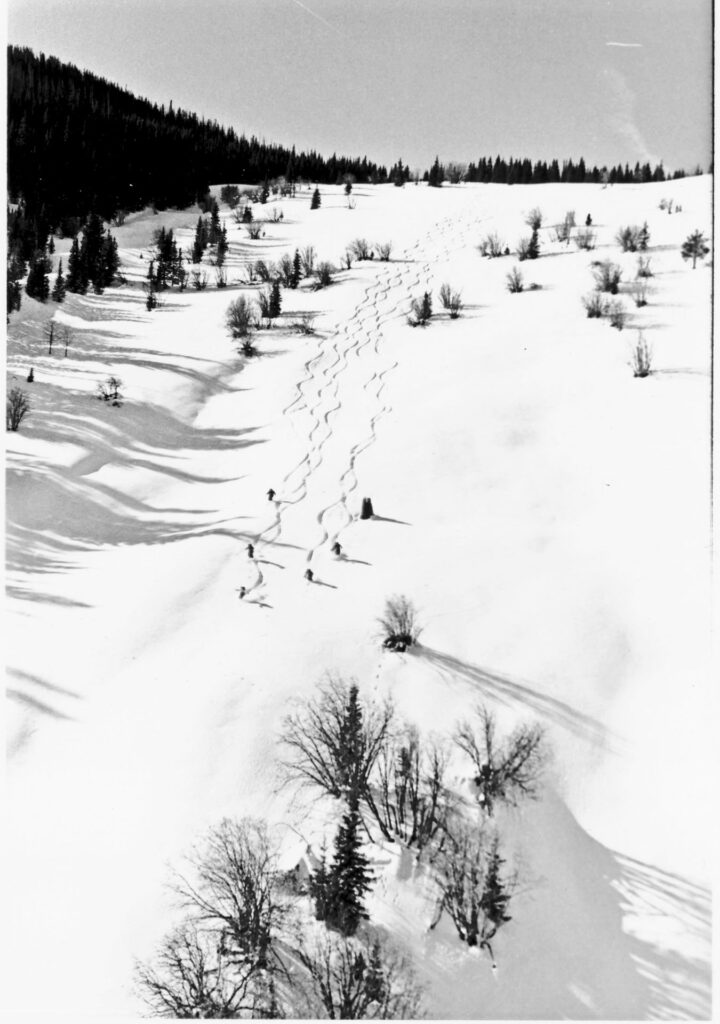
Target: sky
[[610, 80]]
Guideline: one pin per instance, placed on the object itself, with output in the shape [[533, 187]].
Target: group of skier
[[308, 575]]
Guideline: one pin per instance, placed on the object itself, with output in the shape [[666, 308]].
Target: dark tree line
[[524, 172], [79, 144]]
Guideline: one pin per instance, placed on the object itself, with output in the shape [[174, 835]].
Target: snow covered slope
[[547, 512]]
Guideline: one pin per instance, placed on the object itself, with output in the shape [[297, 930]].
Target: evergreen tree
[[296, 271], [37, 285], [694, 247], [59, 288], [643, 238], [200, 241], [319, 888], [350, 875], [215, 231], [222, 246], [375, 985], [351, 743], [495, 896], [76, 278], [534, 245], [275, 304], [315, 201], [436, 175]]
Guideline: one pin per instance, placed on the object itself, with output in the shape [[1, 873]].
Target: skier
[[270, 494], [309, 575], [336, 549], [251, 551], [243, 592], [588, 221]]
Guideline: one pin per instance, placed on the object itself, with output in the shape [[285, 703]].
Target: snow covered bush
[[451, 301], [643, 267], [363, 978], [420, 311], [528, 248], [254, 230], [504, 770], [641, 357], [492, 245], [617, 314], [633, 238], [595, 305], [333, 740], [638, 290], [305, 324], [515, 280], [360, 249], [109, 390], [607, 276], [384, 249], [17, 407], [473, 890], [398, 623]]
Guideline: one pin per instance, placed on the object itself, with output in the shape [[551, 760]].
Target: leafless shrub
[[221, 278], [324, 275], [109, 390], [420, 311], [492, 245], [643, 267], [639, 292], [316, 739], [346, 260], [515, 280], [451, 301], [250, 274], [399, 623], [607, 276], [585, 238], [617, 314], [239, 317], [641, 357], [263, 271], [305, 324], [307, 260], [17, 407], [503, 770], [384, 249], [362, 978], [360, 249], [286, 270], [563, 232], [595, 305], [254, 230], [523, 249], [199, 280], [276, 214]]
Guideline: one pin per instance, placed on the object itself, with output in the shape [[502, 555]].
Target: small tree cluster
[[529, 248], [109, 390], [633, 238], [324, 272], [436, 174], [399, 624], [360, 249], [94, 261], [37, 285], [493, 246], [166, 268]]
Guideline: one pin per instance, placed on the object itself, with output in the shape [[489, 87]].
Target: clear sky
[[610, 80]]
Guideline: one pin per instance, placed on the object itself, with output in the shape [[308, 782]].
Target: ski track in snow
[[318, 393]]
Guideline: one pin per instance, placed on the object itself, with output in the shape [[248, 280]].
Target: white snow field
[[546, 511]]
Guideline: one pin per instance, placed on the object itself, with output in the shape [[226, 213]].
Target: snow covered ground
[[546, 511]]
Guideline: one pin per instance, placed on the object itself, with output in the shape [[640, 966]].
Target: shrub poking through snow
[[360, 249], [324, 275], [221, 277], [17, 407], [240, 318], [384, 249], [356, 979], [492, 245], [263, 272], [639, 292], [451, 301], [398, 624], [305, 324], [528, 248], [585, 239], [503, 770], [643, 267], [641, 357], [515, 281], [420, 311], [109, 390], [695, 247], [617, 314], [595, 305], [254, 230], [307, 260], [607, 276], [199, 280]]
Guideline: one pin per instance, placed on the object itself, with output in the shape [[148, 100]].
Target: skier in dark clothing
[[309, 575], [243, 592], [336, 548], [271, 494], [251, 551]]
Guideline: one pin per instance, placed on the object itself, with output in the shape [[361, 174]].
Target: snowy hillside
[[546, 511]]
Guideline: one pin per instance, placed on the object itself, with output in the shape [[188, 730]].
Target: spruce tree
[[59, 288], [222, 246], [200, 241], [351, 744], [534, 246], [350, 874], [315, 201], [695, 247], [275, 304], [296, 271], [436, 175], [76, 278], [319, 887], [495, 896], [37, 285]]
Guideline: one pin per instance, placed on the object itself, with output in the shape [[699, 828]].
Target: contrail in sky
[[624, 44], [314, 15]]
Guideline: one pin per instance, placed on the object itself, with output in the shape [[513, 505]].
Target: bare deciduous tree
[[451, 301], [504, 770], [239, 317], [357, 979], [17, 407]]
